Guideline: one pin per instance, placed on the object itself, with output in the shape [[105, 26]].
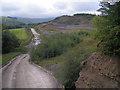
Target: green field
[[20, 33], [23, 34]]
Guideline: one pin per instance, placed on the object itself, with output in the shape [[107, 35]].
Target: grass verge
[[8, 56]]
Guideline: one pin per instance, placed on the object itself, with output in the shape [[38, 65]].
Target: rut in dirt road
[[22, 74]]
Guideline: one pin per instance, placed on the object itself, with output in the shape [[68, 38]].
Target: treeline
[[84, 14], [108, 28], [4, 27]]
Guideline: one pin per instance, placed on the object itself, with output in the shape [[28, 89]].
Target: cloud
[[84, 6], [60, 5], [46, 8], [22, 9], [9, 8]]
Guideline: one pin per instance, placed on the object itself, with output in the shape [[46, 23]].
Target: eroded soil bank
[[99, 72]]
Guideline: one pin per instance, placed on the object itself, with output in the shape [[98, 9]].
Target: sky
[[47, 8]]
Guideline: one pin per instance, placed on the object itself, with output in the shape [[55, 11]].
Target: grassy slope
[[8, 21], [20, 33], [88, 43], [80, 52], [24, 35], [71, 20], [8, 56]]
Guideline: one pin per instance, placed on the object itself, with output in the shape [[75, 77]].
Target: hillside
[[18, 20], [10, 21], [34, 20], [76, 19], [66, 24]]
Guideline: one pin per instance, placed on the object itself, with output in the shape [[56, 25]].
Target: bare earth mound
[[99, 72]]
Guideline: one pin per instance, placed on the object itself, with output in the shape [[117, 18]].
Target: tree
[[108, 26], [9, 42]]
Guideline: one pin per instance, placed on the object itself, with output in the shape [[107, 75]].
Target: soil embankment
[[99, 72]]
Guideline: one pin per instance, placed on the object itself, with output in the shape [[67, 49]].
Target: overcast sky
[[47, 8]]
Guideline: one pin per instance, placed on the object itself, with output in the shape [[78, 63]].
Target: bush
[[69, 72], [83, 33], [54, 45], [111, 45], [9, 42]]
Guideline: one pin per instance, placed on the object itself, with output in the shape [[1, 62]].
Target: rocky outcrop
[[99, 72]]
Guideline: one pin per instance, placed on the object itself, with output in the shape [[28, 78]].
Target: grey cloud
[[60, 5], [84, 6], [30, 11], [9, 7], [34, 10]]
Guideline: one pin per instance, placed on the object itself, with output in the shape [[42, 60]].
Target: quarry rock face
[[99, 71]]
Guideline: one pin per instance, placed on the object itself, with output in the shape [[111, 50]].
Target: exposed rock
[[99, 72]]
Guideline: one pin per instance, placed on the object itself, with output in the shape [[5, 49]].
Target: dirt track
[[22, 74]]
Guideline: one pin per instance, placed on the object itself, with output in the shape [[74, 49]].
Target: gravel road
[[20, 73]]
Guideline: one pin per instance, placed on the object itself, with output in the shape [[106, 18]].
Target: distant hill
[[18, 20], [76, 19], [34, 20], [10, 21], [66, 24]]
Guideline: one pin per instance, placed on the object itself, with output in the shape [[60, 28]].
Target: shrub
[[69, 72], [54, 45], [9, 42], [83, 33]]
